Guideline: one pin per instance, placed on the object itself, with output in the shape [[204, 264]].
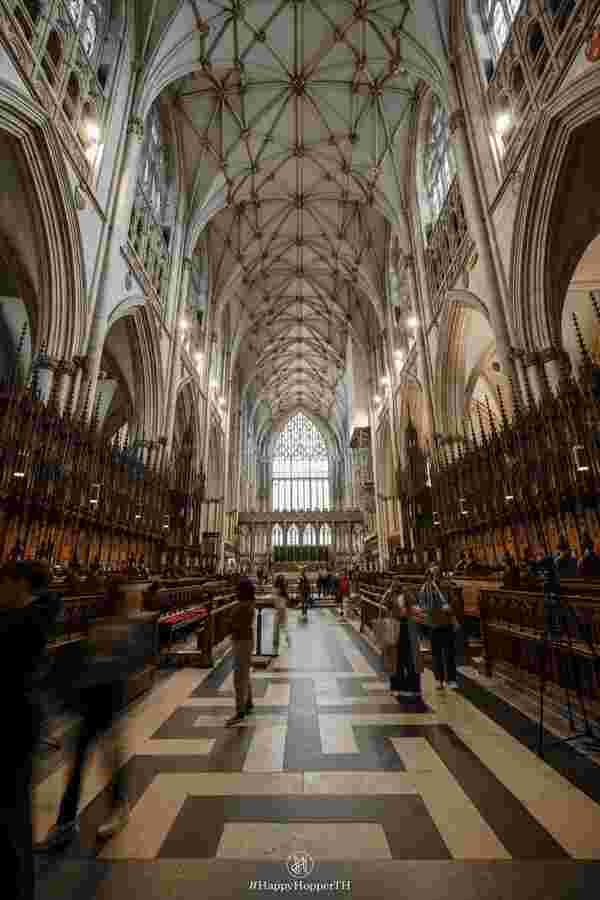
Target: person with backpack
[[441, 624]]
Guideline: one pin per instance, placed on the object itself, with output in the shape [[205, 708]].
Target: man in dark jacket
[[242, 636], [27, 613]]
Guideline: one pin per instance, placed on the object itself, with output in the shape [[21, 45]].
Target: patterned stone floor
[[380, 798]]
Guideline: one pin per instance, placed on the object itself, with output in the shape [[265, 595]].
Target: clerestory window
[[438, 168]]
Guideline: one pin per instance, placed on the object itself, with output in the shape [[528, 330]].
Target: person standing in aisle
[[242, 636], [441, 624], [404, 659], [344, 591], [27, 614], [280, 599]]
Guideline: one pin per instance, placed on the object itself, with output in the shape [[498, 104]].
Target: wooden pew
[[512, 624]]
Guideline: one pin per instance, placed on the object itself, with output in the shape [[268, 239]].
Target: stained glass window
[[293, 536], [438, 169], [89, 33], [277, 536], [154, 176], [75, 9], [309, 535], [497, 17], [300, 467], [326, 536]]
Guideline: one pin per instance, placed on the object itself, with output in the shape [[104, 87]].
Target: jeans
[[100, 705], [443, 652]]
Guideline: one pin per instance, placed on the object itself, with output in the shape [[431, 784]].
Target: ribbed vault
[[291, 126]]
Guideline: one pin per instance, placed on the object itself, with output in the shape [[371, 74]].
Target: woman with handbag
[[405, 655], [442, 625]]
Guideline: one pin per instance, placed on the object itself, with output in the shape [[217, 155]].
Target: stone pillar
[[422, 351], [478, 226], [44, 376], [379, 517], [228, 426], [119, 236], [176, 338]]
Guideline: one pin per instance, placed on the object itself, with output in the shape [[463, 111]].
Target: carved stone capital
[[552, 354], [136, 127], [456, 121]]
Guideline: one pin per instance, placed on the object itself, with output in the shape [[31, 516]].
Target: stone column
[[176, 340], [227, 426], [479, 228], [44, 376], [422, 350], [379, 517], [119, 236]]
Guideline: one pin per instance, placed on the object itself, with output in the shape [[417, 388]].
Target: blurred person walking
[[242, 636], [280, 599], [98, 695], [27, 614]]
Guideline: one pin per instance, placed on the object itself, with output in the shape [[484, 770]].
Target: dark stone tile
[[576, 767], [303, 740], [515, 827], [421, 841]]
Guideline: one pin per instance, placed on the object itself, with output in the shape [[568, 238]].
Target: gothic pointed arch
[[556, 191], [39, 219]]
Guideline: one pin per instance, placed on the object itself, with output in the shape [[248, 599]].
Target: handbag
[[387, 629]]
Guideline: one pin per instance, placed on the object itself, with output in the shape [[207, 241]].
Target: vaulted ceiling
[[293, 126]]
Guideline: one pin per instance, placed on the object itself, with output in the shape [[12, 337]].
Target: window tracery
[[497, 17], [89, 17], [300, 467], [90, 32], [154, 176], [75, 8], [438, 170]]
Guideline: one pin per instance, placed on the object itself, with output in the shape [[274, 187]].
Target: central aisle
[[378, 798]]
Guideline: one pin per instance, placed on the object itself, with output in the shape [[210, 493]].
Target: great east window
[[300, 468]]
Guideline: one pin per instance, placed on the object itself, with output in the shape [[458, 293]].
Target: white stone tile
[[155, 812], [275, 695], [462, 827], [177, 747], [337, 735], [267, 749], [358, 783], [566, 813], [322, 840]]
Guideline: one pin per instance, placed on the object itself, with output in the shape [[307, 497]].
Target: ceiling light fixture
[[92, 132], [503, 123]]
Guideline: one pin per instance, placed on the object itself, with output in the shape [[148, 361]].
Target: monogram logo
[[300, 865]]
